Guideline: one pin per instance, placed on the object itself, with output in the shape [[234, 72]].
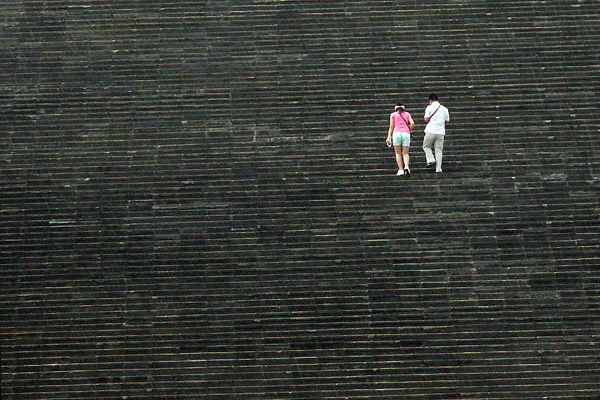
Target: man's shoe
[[400, 172], [430, 164]]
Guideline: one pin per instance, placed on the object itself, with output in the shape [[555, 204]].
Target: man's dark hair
[[433, 97]]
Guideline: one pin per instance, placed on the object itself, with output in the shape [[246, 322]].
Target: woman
[[401, 123]]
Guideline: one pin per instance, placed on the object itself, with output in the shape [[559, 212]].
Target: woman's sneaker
[[407, 171], [400, 172]]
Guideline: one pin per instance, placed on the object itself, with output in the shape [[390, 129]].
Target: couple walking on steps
[[401, 124]]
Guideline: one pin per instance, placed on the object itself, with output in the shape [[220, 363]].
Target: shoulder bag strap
[[436, 110], [405, 121]]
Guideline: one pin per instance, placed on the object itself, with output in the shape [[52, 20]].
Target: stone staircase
[[197, 201]]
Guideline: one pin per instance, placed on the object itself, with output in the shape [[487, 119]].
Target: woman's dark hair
[[399, 107], [433, 97]]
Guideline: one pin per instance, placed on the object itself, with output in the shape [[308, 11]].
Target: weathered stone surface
[[196, 200]]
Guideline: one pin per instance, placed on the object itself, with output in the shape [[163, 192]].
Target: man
[[436, 116]]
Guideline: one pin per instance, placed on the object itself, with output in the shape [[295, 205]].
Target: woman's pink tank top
[[401, 121]]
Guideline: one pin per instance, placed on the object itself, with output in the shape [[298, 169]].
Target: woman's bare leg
[[399, 159], [405, 156]]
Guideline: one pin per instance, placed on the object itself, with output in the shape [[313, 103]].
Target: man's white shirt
[[437, 123]]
